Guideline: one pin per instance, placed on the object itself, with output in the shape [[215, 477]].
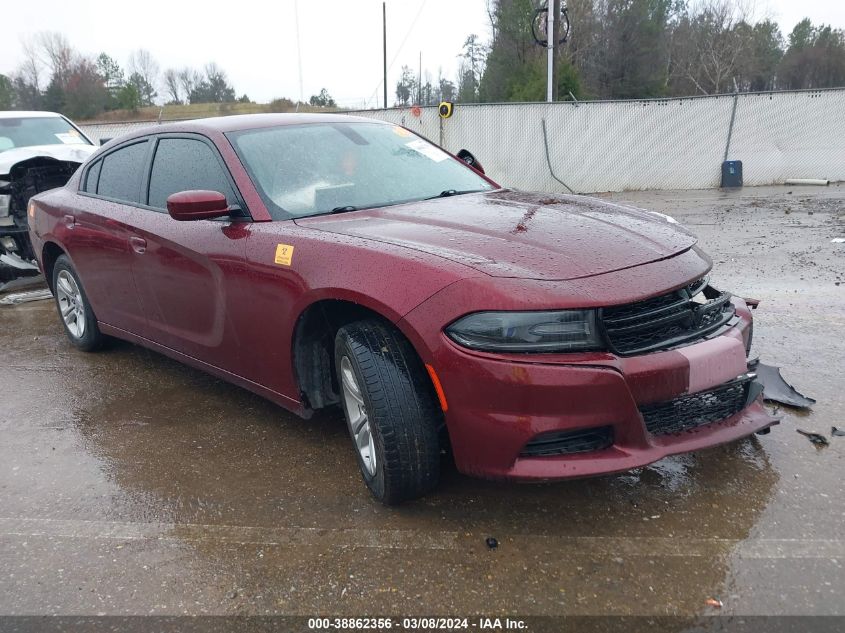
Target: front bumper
[[496, 406]]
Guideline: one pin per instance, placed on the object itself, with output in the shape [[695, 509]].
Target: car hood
[[75, 153], [517, 234]]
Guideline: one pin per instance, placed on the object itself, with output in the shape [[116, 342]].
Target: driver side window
[[182, 164]]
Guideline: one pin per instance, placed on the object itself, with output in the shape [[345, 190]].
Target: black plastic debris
[[815, 438], [491, 542], [776, 389], [837, 432]]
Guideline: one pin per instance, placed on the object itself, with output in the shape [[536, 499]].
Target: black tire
[[91, 339], [401, 408]]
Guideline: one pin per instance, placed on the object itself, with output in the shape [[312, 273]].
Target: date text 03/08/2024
[[415, 623]]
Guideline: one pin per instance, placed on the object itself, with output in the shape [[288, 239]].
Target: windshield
[[309, 169], [29, 131]]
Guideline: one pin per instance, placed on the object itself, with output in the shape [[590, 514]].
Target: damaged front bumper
[[24, 180], [537, 421]]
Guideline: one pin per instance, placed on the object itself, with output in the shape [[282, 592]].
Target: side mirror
[[470, 160], [197, 205]]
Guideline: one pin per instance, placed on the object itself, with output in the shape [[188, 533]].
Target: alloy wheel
[[71, 303], [357, 416]]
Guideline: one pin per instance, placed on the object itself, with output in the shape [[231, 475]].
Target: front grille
[[569, 442], [697, 409], [667, 320]]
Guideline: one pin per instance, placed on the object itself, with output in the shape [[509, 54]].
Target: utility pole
[[556, 33], [553, 7], [558, 24], [298, 52], [384, 48]]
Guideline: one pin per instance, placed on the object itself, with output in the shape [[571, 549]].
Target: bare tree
[[29, 72], [188, 79], [57, 54], [142, 64], [171, 83], [710, 43]]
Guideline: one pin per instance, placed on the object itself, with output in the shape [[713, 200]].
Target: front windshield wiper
[[443, 194], [448, 193]]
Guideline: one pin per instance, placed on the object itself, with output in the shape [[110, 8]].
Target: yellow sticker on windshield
[[284, 254], [400, 131]]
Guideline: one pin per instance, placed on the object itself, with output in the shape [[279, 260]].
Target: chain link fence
[[633, 145], [100, 132]]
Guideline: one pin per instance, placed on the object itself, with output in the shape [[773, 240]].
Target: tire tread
[[402, 406]]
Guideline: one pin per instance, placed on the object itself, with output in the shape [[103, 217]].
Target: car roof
[[27, 114], [252, 121]]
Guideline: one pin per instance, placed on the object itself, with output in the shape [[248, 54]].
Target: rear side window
[[182, 164], [121, 172], [92, 177]]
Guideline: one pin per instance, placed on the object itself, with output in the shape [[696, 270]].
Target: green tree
[[428, 94], [406, 87], [128, 98], [515, 66], [27, 94], [532, 86], [445, 88], [815, 57], [7, 93], [322, 100], [802, 36], [471, 69], [86, 94], [512, 50], [144, 75], [111, 73], [757, 69], [54, 97], [635, 45], [213, 88], [143, 88]]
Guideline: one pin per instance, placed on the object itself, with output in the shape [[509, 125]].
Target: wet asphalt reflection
[[130, 484]]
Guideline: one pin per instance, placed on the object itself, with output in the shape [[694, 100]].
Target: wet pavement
[[130, 484]]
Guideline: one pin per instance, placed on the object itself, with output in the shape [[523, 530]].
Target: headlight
[[552, 331]]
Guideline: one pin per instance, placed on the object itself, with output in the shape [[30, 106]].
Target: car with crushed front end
[[38, 151], [330, 260]]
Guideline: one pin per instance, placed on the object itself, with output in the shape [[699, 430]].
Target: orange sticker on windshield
[[400, 131], [284, 254]]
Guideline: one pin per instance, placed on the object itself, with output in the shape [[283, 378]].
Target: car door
[[191, 275], [99, 240]]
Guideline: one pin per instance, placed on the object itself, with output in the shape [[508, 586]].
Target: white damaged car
[[38, 151]]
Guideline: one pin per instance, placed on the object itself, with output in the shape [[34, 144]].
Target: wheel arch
[[312, 346], [50, 252]]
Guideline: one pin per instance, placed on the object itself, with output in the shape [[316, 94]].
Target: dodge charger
[[335, 261]]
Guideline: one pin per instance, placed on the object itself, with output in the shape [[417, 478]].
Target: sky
[[255, 42]]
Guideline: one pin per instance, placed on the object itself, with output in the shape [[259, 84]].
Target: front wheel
[[390, 409], [74, 309]]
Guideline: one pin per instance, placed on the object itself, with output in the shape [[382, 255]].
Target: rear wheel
[[74, 309], [390, 409]]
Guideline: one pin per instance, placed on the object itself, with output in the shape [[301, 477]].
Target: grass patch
[[203, 110]]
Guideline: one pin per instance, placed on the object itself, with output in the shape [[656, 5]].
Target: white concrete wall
[[635, 145]]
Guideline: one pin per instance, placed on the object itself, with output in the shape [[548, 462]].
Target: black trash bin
[[732, 173]]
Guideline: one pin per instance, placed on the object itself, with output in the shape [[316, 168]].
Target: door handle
[[70, 221], [139, 244]]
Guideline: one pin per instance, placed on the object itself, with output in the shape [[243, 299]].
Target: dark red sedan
[[323, 260]]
